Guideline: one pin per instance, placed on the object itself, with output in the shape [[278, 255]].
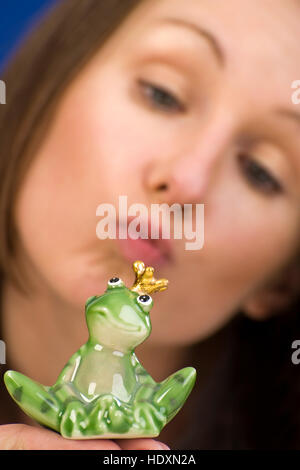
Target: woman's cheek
[[255, 243]]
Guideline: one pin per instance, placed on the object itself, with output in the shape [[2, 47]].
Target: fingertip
[[141, 444], [163, 446], [39, 438]]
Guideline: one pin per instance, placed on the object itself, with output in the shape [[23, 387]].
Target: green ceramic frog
[[104, 391]]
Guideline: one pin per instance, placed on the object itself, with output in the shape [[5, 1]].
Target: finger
[[24, 437], [141, 444]]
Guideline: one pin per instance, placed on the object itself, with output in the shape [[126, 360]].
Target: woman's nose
[[187, 177]]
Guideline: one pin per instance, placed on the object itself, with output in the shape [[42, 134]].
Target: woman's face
[[188, 102]]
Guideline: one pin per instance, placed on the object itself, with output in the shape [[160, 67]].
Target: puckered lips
[[153, 252]]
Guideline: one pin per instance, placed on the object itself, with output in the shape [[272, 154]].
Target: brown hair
[[35, 79], [250, 397]]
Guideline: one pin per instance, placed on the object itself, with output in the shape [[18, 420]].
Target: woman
[[165, 102]]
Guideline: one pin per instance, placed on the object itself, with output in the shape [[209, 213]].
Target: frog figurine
[[103, 391]]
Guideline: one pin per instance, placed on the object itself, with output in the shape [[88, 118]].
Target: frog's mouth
[[119, 325]]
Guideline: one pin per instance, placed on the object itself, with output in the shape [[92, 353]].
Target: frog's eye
[[145, 301], [115, 281]]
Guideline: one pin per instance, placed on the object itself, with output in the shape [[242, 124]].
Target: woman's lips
[[153, 252], [142, 250]]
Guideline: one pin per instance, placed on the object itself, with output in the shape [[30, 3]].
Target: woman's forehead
[[242, 32], [239, 24]]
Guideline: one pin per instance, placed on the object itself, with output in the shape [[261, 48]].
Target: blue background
[[17, 17]]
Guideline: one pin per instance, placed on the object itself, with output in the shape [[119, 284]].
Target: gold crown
[[145, 283]]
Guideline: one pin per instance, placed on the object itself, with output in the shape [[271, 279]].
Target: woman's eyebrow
[[203, 33], [292, 115]]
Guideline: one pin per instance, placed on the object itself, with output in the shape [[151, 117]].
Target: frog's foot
[[173, 391], [148, 419], [106, 416], [111, 413], [33, 398], [74, 421]]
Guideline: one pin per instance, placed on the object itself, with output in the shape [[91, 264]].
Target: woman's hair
[[250, 397], [35, 79]]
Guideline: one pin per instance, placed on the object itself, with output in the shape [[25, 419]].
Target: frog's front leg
[[63, 387], [157, 403], [148, 417], [69, 370]]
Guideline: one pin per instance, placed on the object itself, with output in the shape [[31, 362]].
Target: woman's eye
[[258, 176], [160, 98]]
